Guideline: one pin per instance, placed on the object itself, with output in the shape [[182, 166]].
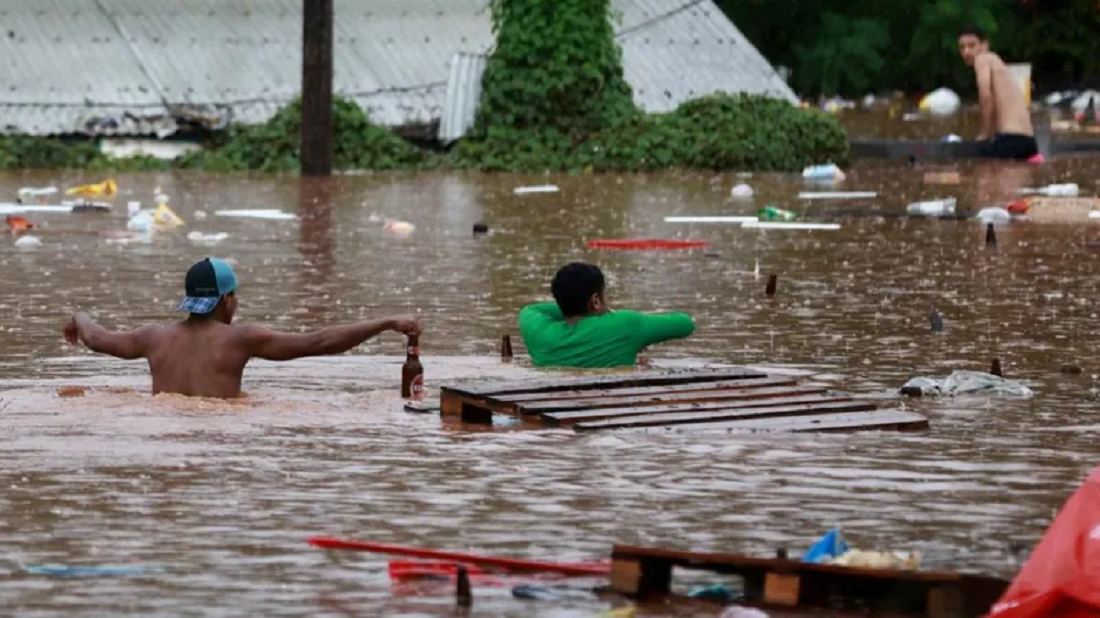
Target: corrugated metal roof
[[463, 95], [138, 63]]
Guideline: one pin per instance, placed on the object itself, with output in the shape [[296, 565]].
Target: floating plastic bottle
[[742, 191], [773, 213], [932, 208], [823, 172]]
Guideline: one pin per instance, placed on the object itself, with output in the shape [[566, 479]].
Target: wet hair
[[973, 30], [573, 285]]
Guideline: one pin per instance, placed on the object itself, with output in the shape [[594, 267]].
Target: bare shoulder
[[989, 60]]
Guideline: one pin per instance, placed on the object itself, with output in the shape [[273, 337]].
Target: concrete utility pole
[[316, 88]]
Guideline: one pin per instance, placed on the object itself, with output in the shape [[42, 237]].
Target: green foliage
[[717, 132], [1058, 37], [275, 146], [934, 55], [556, 64], [846, 55], [21, 151]]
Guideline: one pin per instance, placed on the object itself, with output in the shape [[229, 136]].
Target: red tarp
[[1061, 579]]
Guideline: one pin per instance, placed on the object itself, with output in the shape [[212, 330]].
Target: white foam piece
[[722, 219], [271, 213], [536, 189], [12, 209], [1095, 214], [789, 225], [837, 195]]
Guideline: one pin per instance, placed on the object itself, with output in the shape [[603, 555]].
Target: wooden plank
[[590, 382], [581, 416], [453, 404], [781, 589], [421, 407], [647, 390], [882, 420], [729, 394], [729, 418], [641, 578]]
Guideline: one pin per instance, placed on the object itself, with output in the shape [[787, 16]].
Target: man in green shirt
[[579, 330]]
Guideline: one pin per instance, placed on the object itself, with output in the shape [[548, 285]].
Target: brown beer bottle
[[412, 372]]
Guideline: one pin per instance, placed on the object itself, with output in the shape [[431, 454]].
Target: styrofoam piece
[[536, 189], [1095, 214], [270, 213], [28, 242], [720, 219], [789, 225], [837, 195], [14, 209]]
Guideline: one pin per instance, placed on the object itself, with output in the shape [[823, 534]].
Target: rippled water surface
[[223, 495]]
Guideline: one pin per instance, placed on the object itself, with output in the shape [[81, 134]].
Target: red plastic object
[[509, 564], [1019, 206], [1037, 158], [1061, 579], [646, 244]]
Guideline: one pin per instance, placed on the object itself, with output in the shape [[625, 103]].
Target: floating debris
[[269, 213], [536, 189], [28, 242], [711, 219], [837, 195], [107, 188], [789, 225], [742, 191]]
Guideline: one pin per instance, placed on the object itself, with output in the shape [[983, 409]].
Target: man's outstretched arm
[[276, 346], [127, 344]]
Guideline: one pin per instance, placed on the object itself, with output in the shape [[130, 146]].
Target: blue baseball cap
[[207, 281]]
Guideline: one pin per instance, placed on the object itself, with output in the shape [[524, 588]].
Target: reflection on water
[[224, 495]]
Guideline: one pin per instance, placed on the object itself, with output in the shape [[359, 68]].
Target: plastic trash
[[141, 222], [941, 102], [714, 592], [773, 213], [107, 188], [270, 213], [84, 206], [536, 189], [399, 227], [738, 611], [1063, 190], [952, 138], [823, 172], [35, 193], [970, 383], [165, 217], [879, 560], [742, 191], [199, 238], [132, 208], [994, 214], [942, 178], [18, 224], [375, 218], [1081, 103], [830, 546], [932, 208], [199, 215], [28, 242]]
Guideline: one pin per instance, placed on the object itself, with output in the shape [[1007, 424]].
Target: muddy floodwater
[[222, 496]]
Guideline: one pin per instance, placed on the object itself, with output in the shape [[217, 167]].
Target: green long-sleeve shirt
[[609, 340]]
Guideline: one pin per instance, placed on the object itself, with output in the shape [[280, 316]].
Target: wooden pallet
[[645, 572], [735, 399]]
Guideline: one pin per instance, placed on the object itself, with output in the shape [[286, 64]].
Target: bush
[[275, 146], [26, 152]]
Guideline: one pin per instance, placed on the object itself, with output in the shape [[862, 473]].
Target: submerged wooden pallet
[[644, 572], [735, 399]]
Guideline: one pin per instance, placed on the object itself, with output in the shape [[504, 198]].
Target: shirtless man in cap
[[1001, 99], [205, 354]]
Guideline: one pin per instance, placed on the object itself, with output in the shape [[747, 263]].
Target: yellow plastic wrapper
[[107, 188], [164, 216]]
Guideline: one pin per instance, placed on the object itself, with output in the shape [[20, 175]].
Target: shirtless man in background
[[205, 354], [1001, 99]]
